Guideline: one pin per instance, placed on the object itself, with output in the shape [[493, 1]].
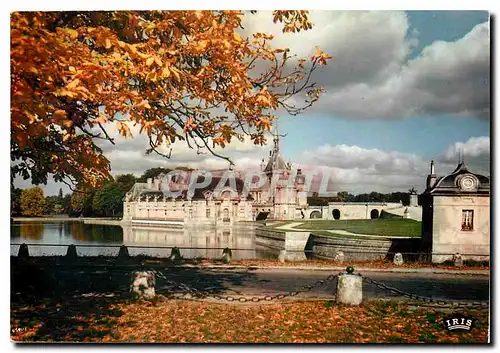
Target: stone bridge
[[349, 210]]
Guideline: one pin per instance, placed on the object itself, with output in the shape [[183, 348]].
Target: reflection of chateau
[[204, 242], [456, 214]]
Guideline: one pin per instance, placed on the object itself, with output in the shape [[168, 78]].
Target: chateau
[[219, 202], [281, 195]]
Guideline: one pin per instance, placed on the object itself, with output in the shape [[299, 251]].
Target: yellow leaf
[[165, 72], [73, 34], [175, 72], [59, 114], [101, 119], [203, 44], [73, 84], [144, 104], [158, 62], [67, 123], [123, 129], [108, 43], [132, 48], [150, 61], [72, 69], [237, 37]]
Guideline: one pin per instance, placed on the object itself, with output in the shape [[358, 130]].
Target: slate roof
[[448, 183], [140, 189]]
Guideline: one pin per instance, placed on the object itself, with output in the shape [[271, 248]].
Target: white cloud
[[473, 147], [371, 75], [351, 168], [475, 152], [359, 170]]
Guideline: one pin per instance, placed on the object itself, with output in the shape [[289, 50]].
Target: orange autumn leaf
[[164, 70]]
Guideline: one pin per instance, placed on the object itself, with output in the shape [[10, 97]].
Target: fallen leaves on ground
[[299, 322], [381, 264], [313, 263]]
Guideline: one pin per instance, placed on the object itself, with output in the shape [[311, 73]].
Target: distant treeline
[[106, 201]]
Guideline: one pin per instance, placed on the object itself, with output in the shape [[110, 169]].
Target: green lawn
[[349, 236], [386, 227]]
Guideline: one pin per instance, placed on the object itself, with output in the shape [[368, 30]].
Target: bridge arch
[[261, 215], [336, 213], [374, 214], [315, 215]]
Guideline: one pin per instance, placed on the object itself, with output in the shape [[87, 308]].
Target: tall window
[[467, 219], [208, 212]]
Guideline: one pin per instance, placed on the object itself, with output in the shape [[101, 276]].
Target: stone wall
[[447, 234], [293, 243], [272, 239], [325, 246], [357, 210]]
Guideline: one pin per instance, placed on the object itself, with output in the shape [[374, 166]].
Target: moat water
[[52, 238]]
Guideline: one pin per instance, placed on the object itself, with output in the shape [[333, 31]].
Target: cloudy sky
[[402, 89]]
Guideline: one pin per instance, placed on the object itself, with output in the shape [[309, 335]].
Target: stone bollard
[[398, 259], [175, 254], [71, 254], [349, 288], [23, 251], [227, 255], [282, 256], [143, 284], [457, 258], [123, 252], [339, 257]]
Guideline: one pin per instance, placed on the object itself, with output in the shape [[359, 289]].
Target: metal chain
[[193, 293], [426, 300]]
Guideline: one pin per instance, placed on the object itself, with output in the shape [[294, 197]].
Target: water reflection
[[192, 241], [32, 231], [96, 233]]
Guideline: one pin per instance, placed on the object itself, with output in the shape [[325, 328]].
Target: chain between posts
[[194, 293], [427, 301], [201, 294]]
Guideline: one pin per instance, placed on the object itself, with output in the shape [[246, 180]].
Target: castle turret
[[431, 178]]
